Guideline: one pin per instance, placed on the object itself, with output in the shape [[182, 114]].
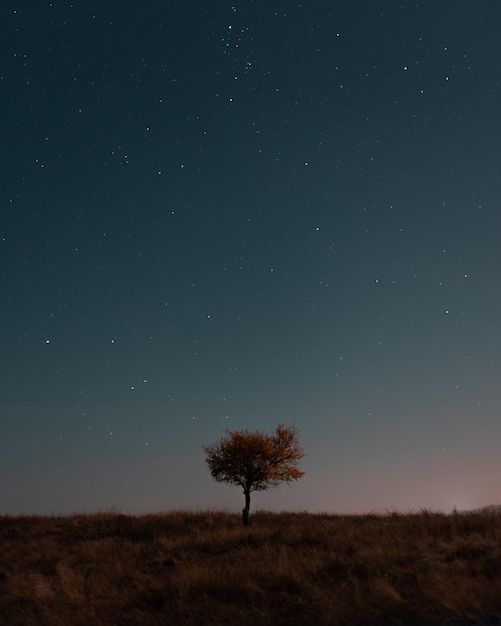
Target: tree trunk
[[245, 511]]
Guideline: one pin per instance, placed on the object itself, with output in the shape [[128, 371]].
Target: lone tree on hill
[[255, 460]]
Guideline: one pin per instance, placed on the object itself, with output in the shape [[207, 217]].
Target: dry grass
[[285, 569]]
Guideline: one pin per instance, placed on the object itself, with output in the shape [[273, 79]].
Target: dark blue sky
[[231, 214]]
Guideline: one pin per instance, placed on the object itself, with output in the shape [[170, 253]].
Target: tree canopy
[[255, 460]]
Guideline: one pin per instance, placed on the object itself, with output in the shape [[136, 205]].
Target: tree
[[255, 461]]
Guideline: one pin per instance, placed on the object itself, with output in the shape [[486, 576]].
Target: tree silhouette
[[255, 460]]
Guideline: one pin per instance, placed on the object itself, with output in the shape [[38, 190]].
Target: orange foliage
[[255, 460]]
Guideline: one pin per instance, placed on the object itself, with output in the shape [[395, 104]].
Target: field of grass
[[182, 568]]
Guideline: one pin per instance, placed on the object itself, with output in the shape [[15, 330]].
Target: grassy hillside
[[285, 569]]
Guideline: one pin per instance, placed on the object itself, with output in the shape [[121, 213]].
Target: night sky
[[234, 214]]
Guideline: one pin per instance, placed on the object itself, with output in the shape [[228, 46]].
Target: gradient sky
[[234, 214]]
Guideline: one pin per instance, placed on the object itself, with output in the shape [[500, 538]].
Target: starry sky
[[230, 214]]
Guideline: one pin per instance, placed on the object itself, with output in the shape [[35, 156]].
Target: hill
[[183, 568]]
